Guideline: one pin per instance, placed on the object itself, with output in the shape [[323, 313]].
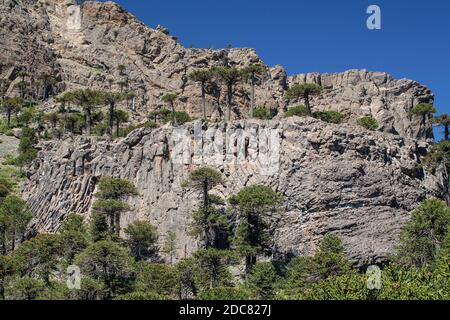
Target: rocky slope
[[335, 178], [83, 47]]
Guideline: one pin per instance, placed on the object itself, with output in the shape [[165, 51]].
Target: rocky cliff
[[335, 179], [341, 179], [83, 47]]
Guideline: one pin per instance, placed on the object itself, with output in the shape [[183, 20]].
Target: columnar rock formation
[[341, 179]]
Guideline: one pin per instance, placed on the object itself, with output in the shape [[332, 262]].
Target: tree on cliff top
[[305, 90], [202, 77], [170, 98]]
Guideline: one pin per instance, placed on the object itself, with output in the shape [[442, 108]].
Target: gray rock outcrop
[[338, 179], [84, 46]]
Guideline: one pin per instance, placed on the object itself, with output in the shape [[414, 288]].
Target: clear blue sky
[[321, 35]]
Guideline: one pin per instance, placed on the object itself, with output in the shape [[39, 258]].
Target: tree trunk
[[111, 118], [88, 121], [173, 114], [205, 194], [13, 241], [252, 103], [230, 101], [9, 118], [308, 105], [203, 101], [117, 223]]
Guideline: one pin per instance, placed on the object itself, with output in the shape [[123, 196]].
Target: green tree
[[213, 264], [141, 239], [157, 278], [439, 154], [73, 121], [443, 121], [14, 210], [204, 179], [38, 257], [114, 188], [251, 205], [24, 288], [202, 77], [230, 76], [7, 268], [261, 281], [424, 110], [108, 262], [52, 118], [120, 117], [170, 245], [170, 98], [112, 209], [88, 100], [10, 106], [111, 99], [299, 111], [369, 123], [99, 228], [208, 220], [423, 235], [73, 237], [91, 289], [305, 90], [187, 273], [329, 116], [253, 74]]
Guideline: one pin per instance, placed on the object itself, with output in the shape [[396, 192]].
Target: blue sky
[[321, 35]]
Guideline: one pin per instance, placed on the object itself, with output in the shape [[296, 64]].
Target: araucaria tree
[[110, 204], [209, 221], [230, 76], [202, 77], [111, 99], [251, 206], [87, 99], [252, 74], [423, 110], [170, 99], [10, 106], [305, 90], [443, 121]]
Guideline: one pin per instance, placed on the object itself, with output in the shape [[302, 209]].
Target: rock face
[[341, 179], [338, 179], [84, 46]]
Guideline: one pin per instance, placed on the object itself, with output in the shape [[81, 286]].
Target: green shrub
[[262, 113], [182, 117], [423, 109], [329, 116], [300, 111], [369, 123]]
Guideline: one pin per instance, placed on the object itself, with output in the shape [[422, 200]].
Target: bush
[[329, 116], [182, 117], [369, 123], [299, 111], [224, 294], [262, 113]]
